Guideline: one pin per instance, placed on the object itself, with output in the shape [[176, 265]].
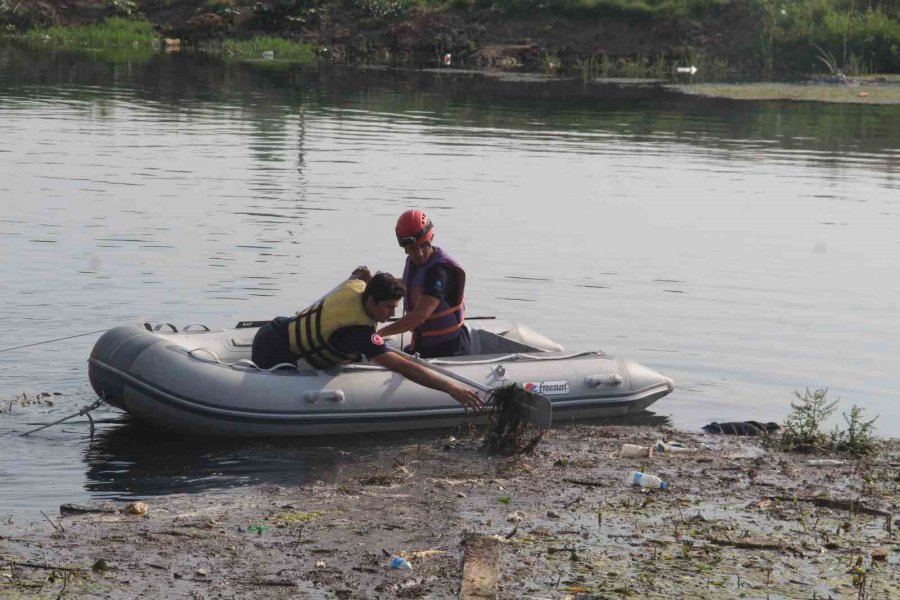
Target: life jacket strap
[[443, 331], [444, 313]]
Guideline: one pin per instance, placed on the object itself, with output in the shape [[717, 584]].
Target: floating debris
[[509, 431]]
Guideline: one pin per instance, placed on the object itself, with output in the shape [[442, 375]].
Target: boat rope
[[68, 337], [85, 410], [242, 363], [517, 356], [249, 364]]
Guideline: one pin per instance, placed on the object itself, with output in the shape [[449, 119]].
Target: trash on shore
[[749, 428], [635, 451], [671, 447], [421, 553], [645, 480], [137, 508], [398, 562], [825, 462]]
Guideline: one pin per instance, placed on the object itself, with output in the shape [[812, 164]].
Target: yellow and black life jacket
[[310, 329]]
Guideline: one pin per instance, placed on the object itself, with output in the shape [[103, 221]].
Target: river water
[[745, 249]]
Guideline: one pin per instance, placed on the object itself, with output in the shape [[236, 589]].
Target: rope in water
[[69, 337], [85, 410]]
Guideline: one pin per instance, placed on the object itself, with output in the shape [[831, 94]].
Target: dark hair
[[384, 286]]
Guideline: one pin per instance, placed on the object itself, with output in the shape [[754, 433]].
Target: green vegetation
[[857, 438], [846, 35], [114, 32], [802, 427], [133, 37], [802, 431], [260, 47]]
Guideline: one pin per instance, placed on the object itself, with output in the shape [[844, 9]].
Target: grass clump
[[260, 47], [115, 32], [802, 427], [857, 438]]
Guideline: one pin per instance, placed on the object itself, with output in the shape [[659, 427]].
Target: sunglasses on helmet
[[409, 240]]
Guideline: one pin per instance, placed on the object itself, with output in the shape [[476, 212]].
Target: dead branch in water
[[754, 545], [46, 567], [586, 482], [853, 506]]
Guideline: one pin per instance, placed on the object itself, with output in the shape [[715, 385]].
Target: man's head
[[382, 295], [414, 234]]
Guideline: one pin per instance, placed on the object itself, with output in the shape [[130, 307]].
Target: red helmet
[[414, 227]]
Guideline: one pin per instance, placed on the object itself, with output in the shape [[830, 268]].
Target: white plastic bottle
[[647, 481]]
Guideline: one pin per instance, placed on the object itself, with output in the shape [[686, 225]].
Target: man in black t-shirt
[[341, 326], [435, 289]]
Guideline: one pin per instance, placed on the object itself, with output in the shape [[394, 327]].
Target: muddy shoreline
[[567, 523]]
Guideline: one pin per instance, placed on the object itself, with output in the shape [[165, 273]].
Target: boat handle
[[333, 395], [598, 380], [161, 325], [188, 327], [207, 350]]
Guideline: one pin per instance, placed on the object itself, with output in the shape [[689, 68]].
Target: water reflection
[[133, 460]]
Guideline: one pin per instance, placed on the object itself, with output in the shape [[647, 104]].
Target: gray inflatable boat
[[201, 381]]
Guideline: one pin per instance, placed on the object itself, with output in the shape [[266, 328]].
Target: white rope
[[517, 356]]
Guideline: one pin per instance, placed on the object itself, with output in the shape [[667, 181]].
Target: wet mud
[[739, 519]]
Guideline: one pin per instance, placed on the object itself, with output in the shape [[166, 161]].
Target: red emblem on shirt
[[377, 340]]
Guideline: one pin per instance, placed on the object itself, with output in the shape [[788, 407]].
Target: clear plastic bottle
[[398, 562], [646, 480], [633, 451], [673, 447]]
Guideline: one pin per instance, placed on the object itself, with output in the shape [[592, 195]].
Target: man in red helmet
[[340, 327], [435, 286]]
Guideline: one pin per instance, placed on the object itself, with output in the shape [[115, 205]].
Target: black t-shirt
[[441, 283], [355, 339]]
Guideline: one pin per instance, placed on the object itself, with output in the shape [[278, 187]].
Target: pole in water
[[85, 410]]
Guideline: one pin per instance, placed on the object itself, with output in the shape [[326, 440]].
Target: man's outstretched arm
[[396, 362]]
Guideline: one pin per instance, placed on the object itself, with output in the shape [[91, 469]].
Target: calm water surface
[[744, 249]]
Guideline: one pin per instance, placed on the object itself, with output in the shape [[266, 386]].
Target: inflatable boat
[[201, 381]]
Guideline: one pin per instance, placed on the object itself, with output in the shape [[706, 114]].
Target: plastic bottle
[[646, 480], [398, 562], [662, 446], [634, 451]]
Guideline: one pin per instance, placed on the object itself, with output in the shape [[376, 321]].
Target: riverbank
[[739, 518], [593, 38], [863, 90]]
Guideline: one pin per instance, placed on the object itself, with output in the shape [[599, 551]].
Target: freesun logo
[[548, 388]]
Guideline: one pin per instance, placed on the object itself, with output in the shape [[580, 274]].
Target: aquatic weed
[[857, 438], [801, 427]]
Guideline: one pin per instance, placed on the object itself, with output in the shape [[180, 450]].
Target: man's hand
[[362, 272], [469, 399]]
